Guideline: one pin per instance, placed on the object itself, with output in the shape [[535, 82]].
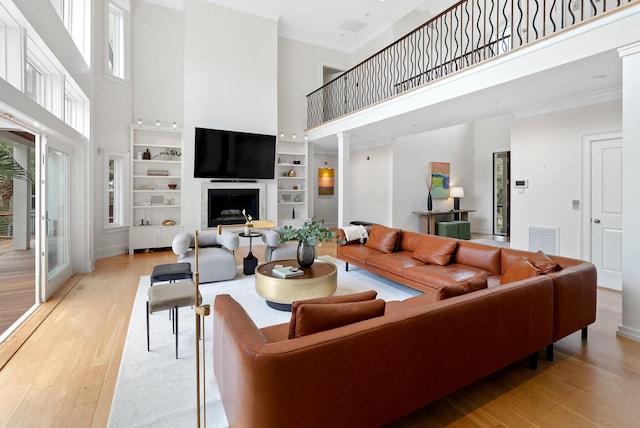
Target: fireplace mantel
[[204, 192]]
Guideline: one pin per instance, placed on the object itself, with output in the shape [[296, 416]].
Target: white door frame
[[587, 141]]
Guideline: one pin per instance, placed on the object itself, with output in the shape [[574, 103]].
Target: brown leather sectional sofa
[[371, 372]]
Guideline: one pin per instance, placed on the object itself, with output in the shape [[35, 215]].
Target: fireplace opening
[[225, 205]]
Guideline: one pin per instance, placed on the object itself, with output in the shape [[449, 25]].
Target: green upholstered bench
[[447, 228], [464, 229]]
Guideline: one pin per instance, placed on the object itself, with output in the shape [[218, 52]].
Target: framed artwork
[[440, 180], [325, 181]]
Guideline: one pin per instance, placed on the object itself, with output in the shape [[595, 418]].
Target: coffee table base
[[284, 307]]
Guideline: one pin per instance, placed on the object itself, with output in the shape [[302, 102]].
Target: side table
[[250, 262]]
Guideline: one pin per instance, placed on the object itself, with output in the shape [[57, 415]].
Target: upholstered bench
[[447, 228], [170, 272]]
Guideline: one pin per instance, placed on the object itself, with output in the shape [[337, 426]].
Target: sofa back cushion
[[476, 282], [519, 269], [383, 238], [436, 250], [355, 297], [315, 317], [481, 256]]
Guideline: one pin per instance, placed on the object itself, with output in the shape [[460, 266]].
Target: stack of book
[[287, 271]]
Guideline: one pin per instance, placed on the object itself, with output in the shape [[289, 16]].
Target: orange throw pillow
[[543, 262], [382, 238], [313, 318], [437, 251], [519, 269], [355, 297]]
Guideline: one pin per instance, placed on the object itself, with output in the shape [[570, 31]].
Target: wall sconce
[[456, 193], [140, 123], [157, 124], [325, 181], [175, 125]]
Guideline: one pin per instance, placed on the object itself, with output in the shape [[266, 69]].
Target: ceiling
[[336, 24]]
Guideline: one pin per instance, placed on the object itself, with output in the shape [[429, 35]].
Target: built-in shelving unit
[[155, 201], [292, 176]]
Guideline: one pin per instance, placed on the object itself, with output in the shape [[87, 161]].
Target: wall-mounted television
[[233, 155]]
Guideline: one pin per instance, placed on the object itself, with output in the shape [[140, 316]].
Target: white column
[[344, 181], [630, 327], [21, 201]]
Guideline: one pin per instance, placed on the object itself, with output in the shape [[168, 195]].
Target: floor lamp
[[201, 311]]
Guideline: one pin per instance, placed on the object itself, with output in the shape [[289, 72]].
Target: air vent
[[544, 239], [352, 26]]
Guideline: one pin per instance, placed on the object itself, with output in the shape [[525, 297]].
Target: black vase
[[306, 254], [429, 202]]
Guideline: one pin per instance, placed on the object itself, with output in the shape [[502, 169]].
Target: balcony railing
[[469, 32]]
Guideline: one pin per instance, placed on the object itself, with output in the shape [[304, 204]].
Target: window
[[116, 37], [34, 83], [76, 17], [116, 173]]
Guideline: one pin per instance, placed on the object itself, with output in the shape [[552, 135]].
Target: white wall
[[547, 150], [110, 118], [371, 175], [490, 136], [300, 73], [230, 82], [410, 156]]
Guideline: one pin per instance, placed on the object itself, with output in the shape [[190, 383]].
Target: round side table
[[250, 262]]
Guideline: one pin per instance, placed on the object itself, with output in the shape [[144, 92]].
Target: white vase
[[247, 230]]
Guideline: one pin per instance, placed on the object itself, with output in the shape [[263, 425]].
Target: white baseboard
[[628, 333], [116, 250]]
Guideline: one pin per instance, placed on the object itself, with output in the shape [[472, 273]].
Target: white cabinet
[[156, 186], [292, 173]]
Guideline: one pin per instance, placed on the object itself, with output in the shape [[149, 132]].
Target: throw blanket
[[351, 233]]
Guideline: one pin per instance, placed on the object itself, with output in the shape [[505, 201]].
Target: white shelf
[[155, 234], [288, 153]]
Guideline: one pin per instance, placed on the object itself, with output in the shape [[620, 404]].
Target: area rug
[[154, 389]]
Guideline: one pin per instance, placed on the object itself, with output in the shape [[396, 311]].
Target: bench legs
[[346, 266], [585, 333]]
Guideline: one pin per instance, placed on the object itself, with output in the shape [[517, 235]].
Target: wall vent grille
[[544, 239]]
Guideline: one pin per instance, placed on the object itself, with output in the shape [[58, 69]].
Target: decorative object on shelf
[[297, 198], [440, 180], [295, 187], [169, 223], [247, 222], [160, 172], [311, 234], [286, 198], [169, 201], [291, 173], [325, 181], [145, 202], [456, 194], [169, 154], [139, 155], [172, 186], [147, 187], [146, 155]]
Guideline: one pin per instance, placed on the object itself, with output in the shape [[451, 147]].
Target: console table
[[428, 218]]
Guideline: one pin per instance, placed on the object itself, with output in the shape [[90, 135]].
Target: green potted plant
[[311, 234]]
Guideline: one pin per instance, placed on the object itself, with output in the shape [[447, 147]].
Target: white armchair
[[215, 252], [274, 250]]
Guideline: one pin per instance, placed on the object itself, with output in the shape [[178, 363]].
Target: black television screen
[[233, 155]]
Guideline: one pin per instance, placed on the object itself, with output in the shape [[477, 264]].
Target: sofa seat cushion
[[518, 270], [316, 317], [345, 298], [436, 250], [383, 238], [493, 280], [436, 276], [395, 263], [476, 282], [358, 252]]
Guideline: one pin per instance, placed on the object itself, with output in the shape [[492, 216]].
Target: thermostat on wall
[[521, 183]]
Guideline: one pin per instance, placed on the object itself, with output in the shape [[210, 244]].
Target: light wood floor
[[17, 283], [64, 373]]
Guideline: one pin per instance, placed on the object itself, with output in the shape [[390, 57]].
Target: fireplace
[[224, 206]]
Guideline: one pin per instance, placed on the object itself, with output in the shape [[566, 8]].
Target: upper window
[[34, 83], [76, 17], [116, 46]]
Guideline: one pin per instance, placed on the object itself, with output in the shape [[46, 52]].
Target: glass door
[[56, 217], [501, 193]]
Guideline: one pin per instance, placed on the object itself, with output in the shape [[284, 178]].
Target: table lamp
[[456, 193]]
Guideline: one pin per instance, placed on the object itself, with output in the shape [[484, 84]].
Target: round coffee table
[[319, 280]]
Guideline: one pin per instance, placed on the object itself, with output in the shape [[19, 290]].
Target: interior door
[[606, 211]]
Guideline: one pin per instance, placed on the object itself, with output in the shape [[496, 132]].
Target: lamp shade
[[457, 192]]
